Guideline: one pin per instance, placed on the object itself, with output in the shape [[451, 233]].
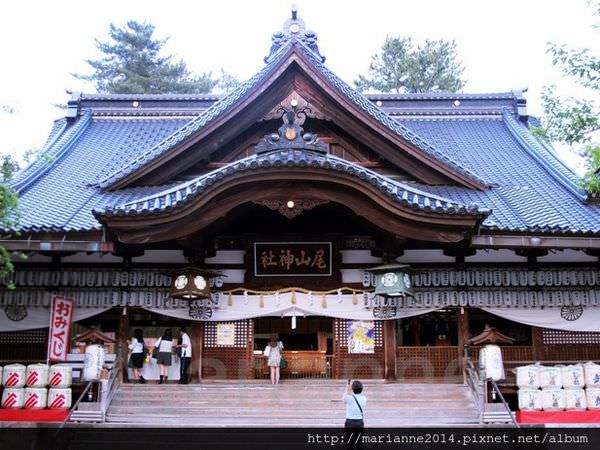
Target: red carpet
[[33, 415], [558, 416]]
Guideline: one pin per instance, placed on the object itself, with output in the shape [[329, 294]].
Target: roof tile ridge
[[166, 97], [55, 149], [389, 122], [180, 193], [441, 96], [197, 123], [553, 165], [51, 140]]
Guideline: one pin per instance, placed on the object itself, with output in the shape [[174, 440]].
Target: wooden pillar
[[537, 344], [389, 349], [463, 329], [197, 338], [415, 325], [463, 335], [123, 335]]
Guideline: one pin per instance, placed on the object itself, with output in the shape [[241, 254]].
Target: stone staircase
[[297, 403]]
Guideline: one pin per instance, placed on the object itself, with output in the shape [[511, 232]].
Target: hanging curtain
[[288, 304], [22, 318], [568, 318]]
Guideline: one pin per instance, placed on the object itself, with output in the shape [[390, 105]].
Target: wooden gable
[[349, 131]]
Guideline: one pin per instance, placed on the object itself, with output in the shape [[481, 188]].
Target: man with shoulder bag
[[355, 414]]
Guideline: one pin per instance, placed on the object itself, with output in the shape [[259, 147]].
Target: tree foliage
[[401, 67], [576, 121], [132, 64], [9, 202]]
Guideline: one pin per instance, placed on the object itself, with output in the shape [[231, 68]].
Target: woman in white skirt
[[273, 352], [164, 345]]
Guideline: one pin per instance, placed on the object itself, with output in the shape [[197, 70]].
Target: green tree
[[576, 121], [8, 167], [9, 202], [132, 64], [402, 68]]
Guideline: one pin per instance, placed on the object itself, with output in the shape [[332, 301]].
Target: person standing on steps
[[355, 414], [273, 353], [165, 350], [186, 356], [136, 359]]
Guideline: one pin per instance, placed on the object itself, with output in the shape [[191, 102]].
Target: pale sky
[[501, 44]]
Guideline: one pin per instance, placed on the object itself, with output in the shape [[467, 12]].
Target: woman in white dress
[[273, 352]]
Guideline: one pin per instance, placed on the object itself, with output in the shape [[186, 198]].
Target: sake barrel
[[14, 376], [59, 398], [60, 376], [94, 360], [530, 399], [0, 374], [35, 398], [592, 374], [12, 398], [553, 399], [550, 377], [573, 376], [490, 358], [593, 397], [528, 376], [37, 375], [575, 399]]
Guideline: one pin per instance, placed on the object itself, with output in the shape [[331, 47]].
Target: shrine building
[[282, 200]]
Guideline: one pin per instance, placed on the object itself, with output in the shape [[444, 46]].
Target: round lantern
[[37, 375], [12, 398], [60, 376], [35, 398], [59, 398], [14, 376]]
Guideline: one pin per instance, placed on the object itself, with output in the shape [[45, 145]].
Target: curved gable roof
[[406, 195], [285, 56]]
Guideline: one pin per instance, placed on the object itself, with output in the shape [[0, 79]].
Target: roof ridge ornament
[[294, 29], [291, 135]]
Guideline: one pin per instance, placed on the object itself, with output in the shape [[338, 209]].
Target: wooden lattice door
[[232, 360], [356, 365]]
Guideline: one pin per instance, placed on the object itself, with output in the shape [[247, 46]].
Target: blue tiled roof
[[531, 189], [177, 196], [223, 105], [60, 195]]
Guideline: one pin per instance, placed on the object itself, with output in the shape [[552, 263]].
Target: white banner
[[288, 304], [569, 318], [61, 317], [19, 318]]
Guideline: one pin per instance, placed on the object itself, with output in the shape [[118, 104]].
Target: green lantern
[[392, 280]]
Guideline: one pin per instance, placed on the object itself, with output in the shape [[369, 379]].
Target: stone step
[[289, 403], [283, 386], [292, 404], [290, 395], [261, 422], [269, 410]]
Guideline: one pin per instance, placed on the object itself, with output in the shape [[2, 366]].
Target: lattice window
[[569, 337], [24, 337], [243, 334]]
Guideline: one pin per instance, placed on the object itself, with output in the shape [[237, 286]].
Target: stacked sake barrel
[[572, 388], [26, 387]]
